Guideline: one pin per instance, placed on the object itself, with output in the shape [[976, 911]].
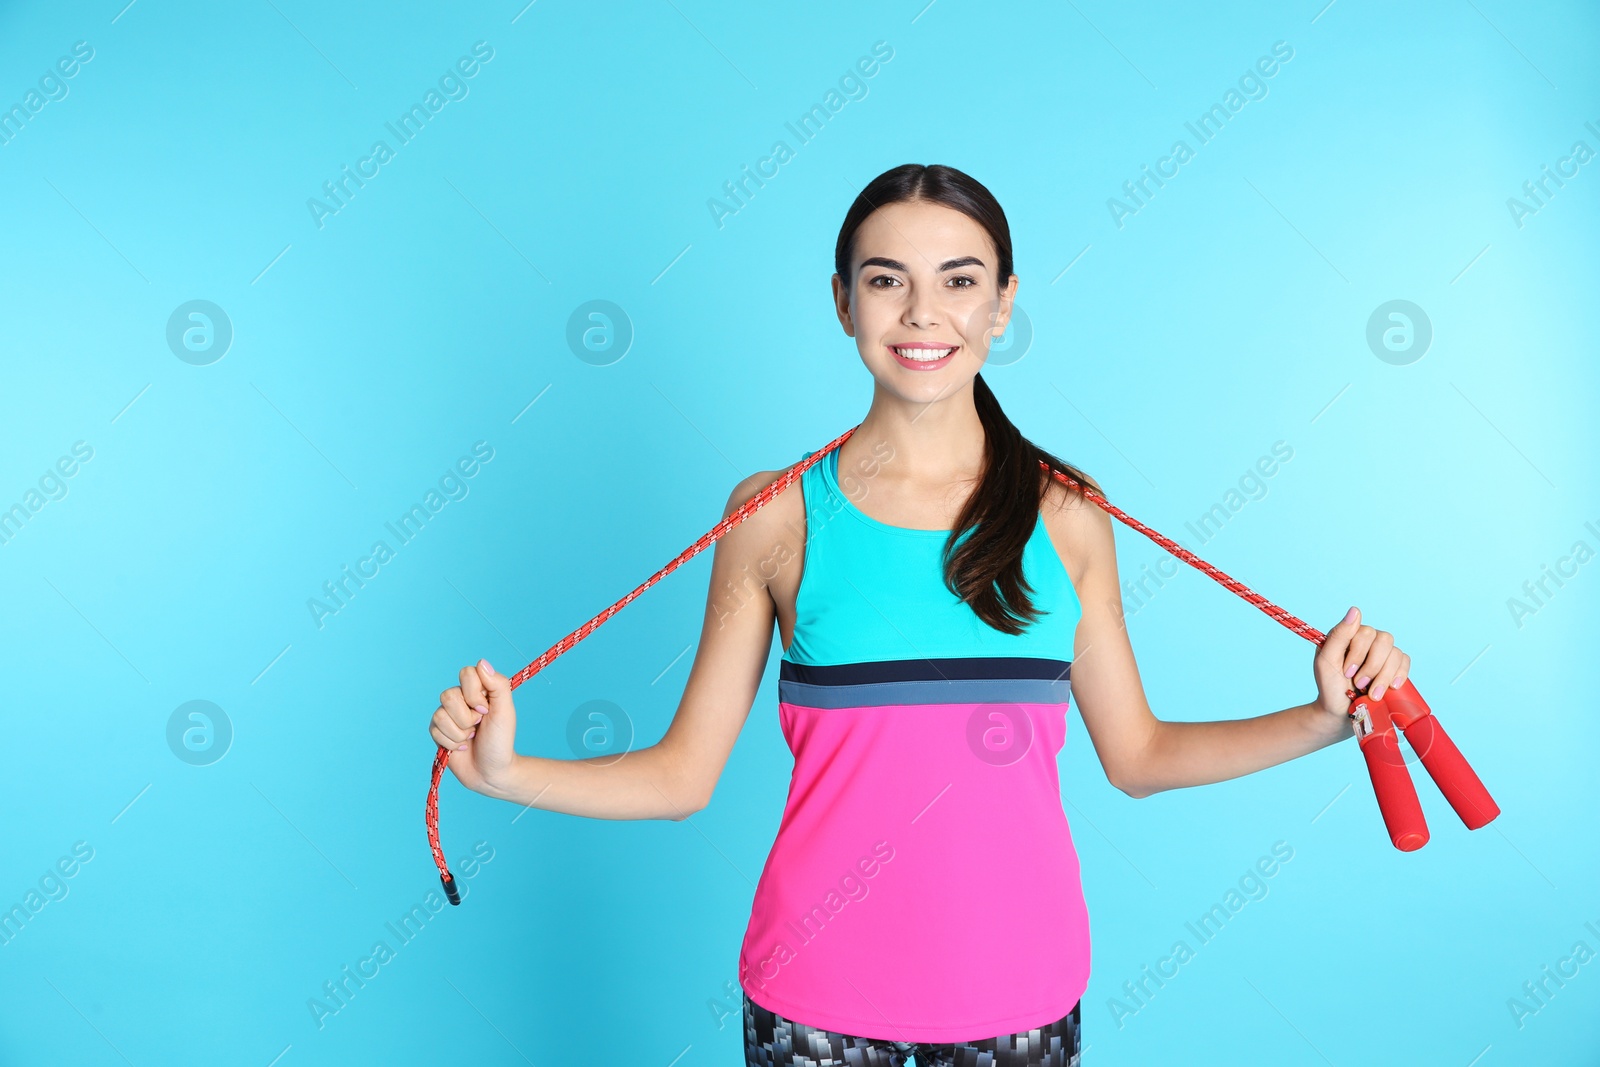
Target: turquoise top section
[[870, 591]]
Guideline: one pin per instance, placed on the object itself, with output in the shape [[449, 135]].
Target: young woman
[[935, 592]]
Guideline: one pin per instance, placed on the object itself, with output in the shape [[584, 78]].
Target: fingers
[[497, 688], [1391, 674], [454, 703], [447, 733], [1365, 667], [1371, 660], [472, 690]]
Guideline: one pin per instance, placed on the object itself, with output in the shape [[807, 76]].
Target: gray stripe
[[931, 691]]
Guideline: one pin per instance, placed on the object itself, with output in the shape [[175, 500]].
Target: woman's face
[[924, 285]]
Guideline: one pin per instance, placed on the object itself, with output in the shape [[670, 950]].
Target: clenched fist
[[477, 722], [1359, 658]]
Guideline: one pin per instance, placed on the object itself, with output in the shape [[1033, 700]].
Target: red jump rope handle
[[1397, 797], [1375, 723]]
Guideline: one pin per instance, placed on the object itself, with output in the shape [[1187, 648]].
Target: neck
[[933, 444]]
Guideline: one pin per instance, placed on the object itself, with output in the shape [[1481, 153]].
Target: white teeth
[[923, 355]]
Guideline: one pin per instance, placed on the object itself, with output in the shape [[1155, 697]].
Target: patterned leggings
[[771, 1040]]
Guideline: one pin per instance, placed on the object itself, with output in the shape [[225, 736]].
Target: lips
[[923, 355]]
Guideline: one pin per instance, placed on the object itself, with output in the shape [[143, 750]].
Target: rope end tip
[[450, 891]]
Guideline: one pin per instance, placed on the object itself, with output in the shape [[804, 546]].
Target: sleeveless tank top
[[923, 885]]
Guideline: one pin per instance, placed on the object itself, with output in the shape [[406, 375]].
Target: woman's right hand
[[477, 722]]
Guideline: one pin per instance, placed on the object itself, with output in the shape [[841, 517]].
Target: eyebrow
[[895, 264]]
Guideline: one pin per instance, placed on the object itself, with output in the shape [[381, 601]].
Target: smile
[[923, 356]]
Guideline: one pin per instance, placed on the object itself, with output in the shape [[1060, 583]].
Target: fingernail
[[1349, 672], [487, 666], [481, 709], [1350, 614], [1361, 682], [1397, 683], [1377, 694]]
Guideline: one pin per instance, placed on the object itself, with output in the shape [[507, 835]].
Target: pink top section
[[923, 885]]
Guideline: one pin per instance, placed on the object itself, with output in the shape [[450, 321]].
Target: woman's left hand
[[1356, 657]]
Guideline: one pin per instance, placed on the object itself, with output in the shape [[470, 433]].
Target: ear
[[841, 306]]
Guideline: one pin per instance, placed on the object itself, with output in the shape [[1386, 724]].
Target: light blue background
[[369, 354]]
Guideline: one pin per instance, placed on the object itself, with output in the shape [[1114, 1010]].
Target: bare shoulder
[[1079, 528], [780, 520], [749, 486]]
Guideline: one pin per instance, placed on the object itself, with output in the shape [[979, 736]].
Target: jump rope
[[1373, 721]]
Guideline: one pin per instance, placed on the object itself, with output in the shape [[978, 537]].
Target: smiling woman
[[933, 633]]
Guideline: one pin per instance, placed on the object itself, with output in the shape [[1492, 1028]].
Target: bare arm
[[674, 777], [1142, 754]]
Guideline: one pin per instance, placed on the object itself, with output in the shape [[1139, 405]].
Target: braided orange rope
[[442, 758]]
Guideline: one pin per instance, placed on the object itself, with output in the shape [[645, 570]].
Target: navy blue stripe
[[928, 691], [955, 668]]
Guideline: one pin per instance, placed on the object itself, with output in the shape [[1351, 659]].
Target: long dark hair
[[985, 570]]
